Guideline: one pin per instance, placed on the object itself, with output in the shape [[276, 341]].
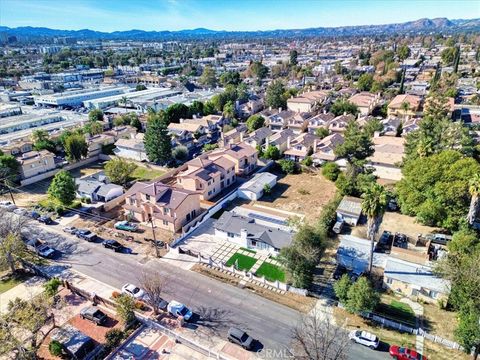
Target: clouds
[[112, 15]]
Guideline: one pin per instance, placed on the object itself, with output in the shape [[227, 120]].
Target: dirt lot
[[435, 351], [440, 322], [304, 193], [396, 222]]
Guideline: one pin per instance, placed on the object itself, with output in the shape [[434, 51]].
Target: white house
[[254, 188], [246, 232], [133, 148], [350, 210]]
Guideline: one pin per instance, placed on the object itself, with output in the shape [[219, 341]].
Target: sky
[[232, 15]]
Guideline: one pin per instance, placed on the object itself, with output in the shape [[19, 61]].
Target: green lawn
[[244, 262], [143, 174], [10, 282], [271, 272], [397, 310]]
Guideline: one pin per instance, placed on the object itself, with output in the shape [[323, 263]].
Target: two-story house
[[167, 207], [242, 155], [405, 105], [301, 147], [307, 101], [207, 177], [365, 102], [325, 148], [258, 137], [35, 163], [319, 121]]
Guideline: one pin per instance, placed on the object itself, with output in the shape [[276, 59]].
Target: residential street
[[267, 321]]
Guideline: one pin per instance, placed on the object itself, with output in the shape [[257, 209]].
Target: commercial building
[[76, 98], [142, 96]]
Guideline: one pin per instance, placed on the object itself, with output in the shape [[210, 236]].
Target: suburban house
[[365, 102], [278, 121], [353, 253], [235, 135], [246, 232], [339, 124], [249, 108], [258, 137], [97, 142], [97, 188], [196, 129], [168, 207], [122, 132], [281, 140], [405, 105], [207, 177], [308, 101], [242, 155], [16, 148], [325, 149], [319, 121], [298, 122], [254, 188], [301, 147], [133, 148], [414, 281], [387, 157], [34, 163], [350, 210]]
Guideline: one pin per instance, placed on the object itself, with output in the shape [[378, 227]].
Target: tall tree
[[119, 170], [175, 112], [374, 204], [365, 82], [293, 57], [154, 285], [11, 245], [95, 115], [403, 52], [357, 145], [76, 147], [93, 128], [63, 187], [274, 96], [124, 101], [341, 107], [474, 189], [208, 77], [361, 296], [158, 143], [255, 122]]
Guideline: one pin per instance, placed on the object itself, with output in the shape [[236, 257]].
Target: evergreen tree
[[63, 187], [157, 140]]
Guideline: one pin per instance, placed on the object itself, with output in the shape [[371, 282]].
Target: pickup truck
[[125, 225], [40, 248]]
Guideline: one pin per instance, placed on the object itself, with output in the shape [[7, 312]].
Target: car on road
[[70, 230], [240, 337], [125, 225], [86, 235], [45, 251], [112, 244], [45, 220], [364, 338], [178, 309], [403, 353], [93, 314], [133, 291]]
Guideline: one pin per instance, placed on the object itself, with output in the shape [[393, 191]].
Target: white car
[[133, 291], [70, 230], [178, 309], [364, 338]]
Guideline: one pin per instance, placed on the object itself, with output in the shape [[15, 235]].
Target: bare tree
[[318, 338], [154, 284], [11, 245]]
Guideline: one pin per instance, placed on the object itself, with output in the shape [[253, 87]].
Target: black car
[[339, 271], [113, 244], [45, 219], [93, 314]]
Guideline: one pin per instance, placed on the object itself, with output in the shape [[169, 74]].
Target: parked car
[[403, 353], [86, 235], [240, 337], [34, 215], [45, 220], [364, 338], [70, 230], [125, 225], [112, 244], [178, 309], [339, 271], [93, 314], [133, 291], [45, 251]]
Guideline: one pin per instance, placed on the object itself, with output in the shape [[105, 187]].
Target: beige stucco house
[[34, 163]]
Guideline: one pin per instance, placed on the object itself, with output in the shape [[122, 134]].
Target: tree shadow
[[215, 321]]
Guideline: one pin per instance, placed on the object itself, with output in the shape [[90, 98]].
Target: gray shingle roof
[[234, 223]]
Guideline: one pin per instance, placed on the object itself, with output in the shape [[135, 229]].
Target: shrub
[[139, 305], [287, 166], [113, 338], [115, 294], [51, 286], [328, 216], [331, 171], [307, 161], [303, 192], [267, 189], [55, 348], [341, 288]]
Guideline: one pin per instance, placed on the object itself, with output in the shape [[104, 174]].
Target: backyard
[[305, 193], [271, 272], [142, 173]]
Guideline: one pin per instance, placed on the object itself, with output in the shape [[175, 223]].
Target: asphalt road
[[224, 305]]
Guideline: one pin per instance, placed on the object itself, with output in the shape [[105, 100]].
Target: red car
[[402, 353]]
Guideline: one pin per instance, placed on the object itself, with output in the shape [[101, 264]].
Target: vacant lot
[[304, 193], [439, 322], [146, 174]]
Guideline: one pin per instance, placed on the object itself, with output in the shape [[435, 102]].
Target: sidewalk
[[418, 310], [26, 290]]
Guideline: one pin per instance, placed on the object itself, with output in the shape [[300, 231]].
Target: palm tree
[[373, 205], [124, 101], [405, 106], [474, 188]]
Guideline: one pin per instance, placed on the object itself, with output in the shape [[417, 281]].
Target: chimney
[[270, 108], [180, 120], [315, 143], [344, 113], [279, 109], [267, 141], [288, 142], [241, 136], [324, 111]]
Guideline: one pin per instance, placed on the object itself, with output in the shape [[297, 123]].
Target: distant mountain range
[[417, 26]]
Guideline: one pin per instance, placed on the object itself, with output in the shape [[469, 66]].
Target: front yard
[[8, 282], [271, 272], [242, 262], [396, 310]]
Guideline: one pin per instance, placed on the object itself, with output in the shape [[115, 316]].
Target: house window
[[230, 235], [166, 211], [389, 281], [165, 222], [433, 294], [414, 292], [147, 197], [254, 243]]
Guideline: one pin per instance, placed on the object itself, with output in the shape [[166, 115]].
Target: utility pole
[[9, 190], [154, 239]]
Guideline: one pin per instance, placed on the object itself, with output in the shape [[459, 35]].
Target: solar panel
[[266, 218]]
